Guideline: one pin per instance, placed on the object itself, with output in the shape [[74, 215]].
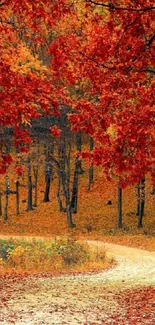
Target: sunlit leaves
[[113, 53]]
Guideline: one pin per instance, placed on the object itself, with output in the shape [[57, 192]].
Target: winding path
[[80, 299]]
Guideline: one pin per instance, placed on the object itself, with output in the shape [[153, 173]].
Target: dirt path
[[88, 299]]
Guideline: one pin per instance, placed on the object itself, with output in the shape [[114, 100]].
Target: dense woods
[[77, 99], [77, 162]]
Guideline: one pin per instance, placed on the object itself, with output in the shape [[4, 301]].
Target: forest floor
[[122, 295], [95, 219]]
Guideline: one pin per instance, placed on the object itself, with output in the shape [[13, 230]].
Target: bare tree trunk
[[138, 199], [79, 148], [17, 198], [7, 183], [59, 196], [69, 211], [65, 161], [48, 172], [29, 202], [120, 221], [66, 188], [75, 187], [65, 177], [142, 203], [62, 162], [6, 198], [91, 168], [61, 170], [35, 172], [47, 187]]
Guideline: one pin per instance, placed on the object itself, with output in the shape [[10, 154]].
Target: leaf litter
[[123, 294]]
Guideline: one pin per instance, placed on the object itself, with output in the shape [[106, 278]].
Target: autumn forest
[[77, 155]]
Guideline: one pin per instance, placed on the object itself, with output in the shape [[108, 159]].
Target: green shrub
[[4, 249]]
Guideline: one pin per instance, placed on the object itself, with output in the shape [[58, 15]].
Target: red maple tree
[[107, 60], [25, 94], [103, 59]]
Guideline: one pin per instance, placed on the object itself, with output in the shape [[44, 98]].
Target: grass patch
[[55, 257]]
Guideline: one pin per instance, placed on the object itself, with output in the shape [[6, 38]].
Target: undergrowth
[[57, 256]]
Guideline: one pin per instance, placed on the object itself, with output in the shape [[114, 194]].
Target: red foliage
[[25, 95], [114, 54], [136, 306], [107, 57], [56, 132]]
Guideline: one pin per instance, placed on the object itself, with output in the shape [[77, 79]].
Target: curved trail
[[134, 266], [81, 299]]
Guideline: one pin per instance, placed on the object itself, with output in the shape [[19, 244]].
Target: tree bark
[[79, 148], [138, 199], [142, 203], [17, 198], [61, 209], [48, 172], [120, 220], [62, 154], [64, 163], [6, 198], [47, 187], [68, 208], [91, 168], [74, 199], [66, 190], [29, 201], [35, 172]]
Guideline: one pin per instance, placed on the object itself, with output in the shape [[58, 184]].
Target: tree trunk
[[66, 189], [64, 163], [47, 188], [61, 209], [36, 173], [68, 208], [142, 203], [138, 199], [6, 198], [62, 157], [75, 187], [35, 187], [17, 198], [48, 172], [91, 168], [29, 201], [119, 222], [79, 148]]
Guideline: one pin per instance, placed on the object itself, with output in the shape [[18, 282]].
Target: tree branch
[[98, 64], [111, 6], [146, 70], [114, 69], [151, 40], [126, 28]]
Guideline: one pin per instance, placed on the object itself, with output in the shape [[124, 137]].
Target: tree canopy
[[102, 65]]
